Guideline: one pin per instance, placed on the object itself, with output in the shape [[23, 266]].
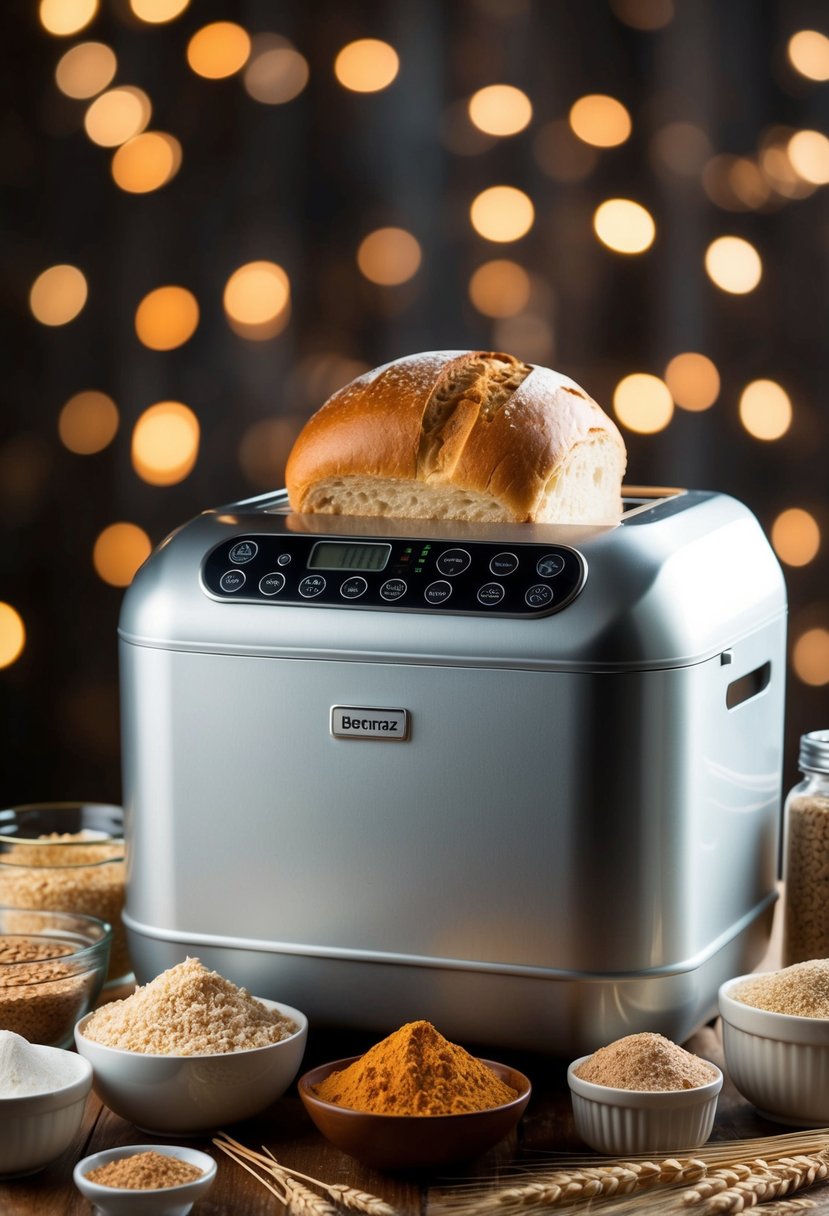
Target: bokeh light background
[[216, 214]]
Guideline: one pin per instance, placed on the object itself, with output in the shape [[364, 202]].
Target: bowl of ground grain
[[414, 1101], [643, 1094], [190, 1052], [776, 1039], [43, 1092], [52, 968], [67, 857], [145, 1179]]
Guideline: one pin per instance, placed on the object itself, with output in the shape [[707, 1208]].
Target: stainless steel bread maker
[[522, 781]]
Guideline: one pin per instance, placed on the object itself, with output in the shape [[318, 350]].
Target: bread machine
[[520, 780]]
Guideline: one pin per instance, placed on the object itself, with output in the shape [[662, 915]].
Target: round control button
[[437, 593], [490, 593], [392, 589], [284, 559], [311, 585], [503, 564], [272, 584], [353, 587], [232, 580], [244, 551], [550, 565], [453, 561], [539, 596]]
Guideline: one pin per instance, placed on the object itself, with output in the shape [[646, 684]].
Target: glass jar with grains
[[806, 855], [67, 857]]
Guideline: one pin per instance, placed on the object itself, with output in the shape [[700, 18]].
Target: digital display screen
[[342, 555]]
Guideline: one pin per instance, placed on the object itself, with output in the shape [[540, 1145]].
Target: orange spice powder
[[416, 1071]]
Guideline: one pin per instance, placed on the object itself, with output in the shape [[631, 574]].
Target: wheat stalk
[[729, 1172], [299, 1199], [783, 1207], [763, 1183]]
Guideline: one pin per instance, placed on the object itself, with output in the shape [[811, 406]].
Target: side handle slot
[[748, 686]]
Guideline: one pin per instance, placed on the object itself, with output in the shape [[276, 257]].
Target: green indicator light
[[418, 569], [407, 550]]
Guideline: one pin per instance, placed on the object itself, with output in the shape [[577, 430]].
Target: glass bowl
[[52, 969], [67, 857]]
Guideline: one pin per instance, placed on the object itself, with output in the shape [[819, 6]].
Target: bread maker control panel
[[488, 579]]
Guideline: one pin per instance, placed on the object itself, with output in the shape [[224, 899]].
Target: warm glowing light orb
[[389, 256], [218, 50], [276, 72], [165, 443], [257, 300], [500, 109], [808, 152], [117, 116], [167, 318], [643, 403], [624, 226], [12, 635], [118, 552], [765, 409], [88, 422], [502, 213], [65, 17], [85, 69], [795, 535], [58, 295], [600, 120], [810, 657], [157, 12], [500, 288], [146, 162], [733, 264], [693, 380], [809, 54], [367, 65]]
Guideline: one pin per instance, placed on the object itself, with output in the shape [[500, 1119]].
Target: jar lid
[[814, 751]]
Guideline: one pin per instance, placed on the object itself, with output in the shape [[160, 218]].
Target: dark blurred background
[[309, 183]]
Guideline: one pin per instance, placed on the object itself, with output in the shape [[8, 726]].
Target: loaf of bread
[[471, 435]]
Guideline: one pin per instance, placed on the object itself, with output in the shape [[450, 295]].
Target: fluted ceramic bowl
[[623, 1122], [778, 1061]]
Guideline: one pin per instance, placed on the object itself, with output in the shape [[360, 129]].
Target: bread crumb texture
[[646, 1062], [145, 1172], [188, 1011], [801, 990]]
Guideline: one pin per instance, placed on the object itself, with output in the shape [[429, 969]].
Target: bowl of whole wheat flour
[[190, 1052], [643, 1094]]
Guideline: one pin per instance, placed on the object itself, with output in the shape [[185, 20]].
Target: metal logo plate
[[364, 722]]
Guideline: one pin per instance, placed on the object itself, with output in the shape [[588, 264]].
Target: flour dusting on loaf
[[471, 435]]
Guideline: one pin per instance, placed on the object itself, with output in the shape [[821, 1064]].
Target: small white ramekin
[[779, 1062], [621, 1122], [37, 1128]]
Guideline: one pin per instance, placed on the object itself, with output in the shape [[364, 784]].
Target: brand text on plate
[[362, 722]]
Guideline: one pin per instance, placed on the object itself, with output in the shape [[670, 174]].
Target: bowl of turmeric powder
[[414, 1101]]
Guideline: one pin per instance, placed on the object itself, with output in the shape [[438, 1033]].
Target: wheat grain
[[764, 1182]]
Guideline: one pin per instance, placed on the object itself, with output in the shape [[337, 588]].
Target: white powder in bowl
[[29, 1068]]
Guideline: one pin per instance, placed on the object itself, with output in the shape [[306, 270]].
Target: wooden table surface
[[546, 1127]]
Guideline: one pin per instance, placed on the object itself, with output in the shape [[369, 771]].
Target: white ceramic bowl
[[185, 1095], [621, 1122], [778, 1061], [37, 1128], [122, 1201]]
